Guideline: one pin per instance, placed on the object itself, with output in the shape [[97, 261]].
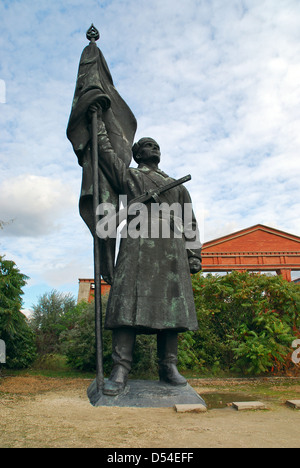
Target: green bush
[[78, 344], [247, 322], [51, 362], [145, 357]]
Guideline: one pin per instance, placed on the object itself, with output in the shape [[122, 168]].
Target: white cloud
[[35, 205]]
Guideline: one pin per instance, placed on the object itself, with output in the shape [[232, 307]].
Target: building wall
[[87, 288], [258, 248]]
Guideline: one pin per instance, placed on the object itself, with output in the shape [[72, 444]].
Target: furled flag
[[94, 82]]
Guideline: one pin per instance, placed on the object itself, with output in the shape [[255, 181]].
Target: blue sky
[[216, 83]]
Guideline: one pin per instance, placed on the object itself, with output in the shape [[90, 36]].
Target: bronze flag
[[94, 82]]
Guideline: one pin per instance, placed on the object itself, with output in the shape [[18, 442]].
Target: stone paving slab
[[293, 403], [190, 408], [147, 394], [248, 405]]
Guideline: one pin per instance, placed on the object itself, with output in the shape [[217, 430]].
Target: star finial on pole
[[92, 34]]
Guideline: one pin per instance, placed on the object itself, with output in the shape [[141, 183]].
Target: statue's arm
[[112, 166]]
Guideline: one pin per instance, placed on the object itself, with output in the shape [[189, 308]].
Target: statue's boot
[[167, 349], [123, 340]]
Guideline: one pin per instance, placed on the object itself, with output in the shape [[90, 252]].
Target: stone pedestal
[[146, 394]]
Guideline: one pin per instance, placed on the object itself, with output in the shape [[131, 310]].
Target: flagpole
[[93, 35]]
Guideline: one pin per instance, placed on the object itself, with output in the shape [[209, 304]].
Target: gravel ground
[[39, 412]]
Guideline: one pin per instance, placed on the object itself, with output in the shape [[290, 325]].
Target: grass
[[58, 374], [56, 366], [215, 388], [215, 391], [275, 390], [51, 365]]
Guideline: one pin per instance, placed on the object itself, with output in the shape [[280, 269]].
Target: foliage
[[53, 313], [14, 329], [78, 343], [187, 357], [145, 354], [247, 322], [51, 362]]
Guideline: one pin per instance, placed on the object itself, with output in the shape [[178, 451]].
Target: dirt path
[[41, 412]]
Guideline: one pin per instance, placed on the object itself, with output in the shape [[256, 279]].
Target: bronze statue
[[151, 291]]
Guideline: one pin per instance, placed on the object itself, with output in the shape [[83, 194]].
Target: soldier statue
[[151, 291]]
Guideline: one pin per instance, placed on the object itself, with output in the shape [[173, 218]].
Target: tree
[[78, 341], [14, 329], [51, 315]]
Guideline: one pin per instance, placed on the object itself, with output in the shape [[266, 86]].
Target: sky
[[216, 83]]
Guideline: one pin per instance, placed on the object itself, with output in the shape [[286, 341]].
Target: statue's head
[[146, 150]]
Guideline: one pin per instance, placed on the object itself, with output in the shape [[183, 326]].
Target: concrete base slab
[[146, 394], [248, 405], [293, 403]]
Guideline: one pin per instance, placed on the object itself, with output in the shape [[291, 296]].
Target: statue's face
[[150, 150]]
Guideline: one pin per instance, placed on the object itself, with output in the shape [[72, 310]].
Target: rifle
[[116, 219]]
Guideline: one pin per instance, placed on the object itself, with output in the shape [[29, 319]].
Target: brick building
[[86, 290], [257, 248]]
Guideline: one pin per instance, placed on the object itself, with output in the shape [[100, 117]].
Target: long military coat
[[152, 287]]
